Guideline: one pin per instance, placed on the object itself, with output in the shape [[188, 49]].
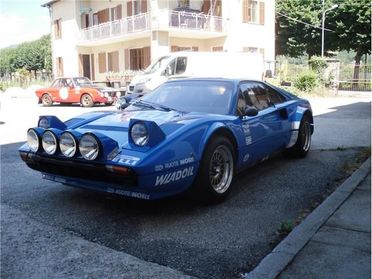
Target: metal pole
[[323, 19]]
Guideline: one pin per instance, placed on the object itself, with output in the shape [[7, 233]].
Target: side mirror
[[250, 111], [122, 104]]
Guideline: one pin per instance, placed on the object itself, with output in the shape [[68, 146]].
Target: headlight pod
[[49, 142], [43, 123], [139, 134], [89, 147], [68, 144], [33, 140]]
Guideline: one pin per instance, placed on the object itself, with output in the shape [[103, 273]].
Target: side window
[[55, 83], [171, 68], [244, 99], [241, 104], [63, 83], [181, 65], [275, 97], [259, 97]]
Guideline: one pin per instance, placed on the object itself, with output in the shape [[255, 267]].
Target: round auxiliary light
[[139, 134], [89, 147], [67, 145], [49, 142], [33, 140]]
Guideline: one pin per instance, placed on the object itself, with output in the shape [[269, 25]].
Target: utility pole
[[323, 21]]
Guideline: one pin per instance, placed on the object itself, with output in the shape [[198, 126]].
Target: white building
[[97, 37]]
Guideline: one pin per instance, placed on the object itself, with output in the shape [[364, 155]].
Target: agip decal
[[174, 176]]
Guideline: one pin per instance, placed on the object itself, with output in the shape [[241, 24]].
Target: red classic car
[[76, 90]]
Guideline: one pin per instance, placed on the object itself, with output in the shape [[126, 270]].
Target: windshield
[[157, 65], [193, 96], [82, 81]]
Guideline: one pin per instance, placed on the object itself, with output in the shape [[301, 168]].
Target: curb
[[275, 262]]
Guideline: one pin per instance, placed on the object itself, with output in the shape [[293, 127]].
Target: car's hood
[[105, 89], [115, 124]]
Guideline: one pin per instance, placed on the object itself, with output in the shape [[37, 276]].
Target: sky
[[22, 20]]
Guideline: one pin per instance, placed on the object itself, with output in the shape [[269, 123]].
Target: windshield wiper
[[151, 105]]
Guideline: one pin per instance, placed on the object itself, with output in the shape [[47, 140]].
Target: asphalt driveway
[[206, 241]]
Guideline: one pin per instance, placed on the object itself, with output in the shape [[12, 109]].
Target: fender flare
[[215, 129]]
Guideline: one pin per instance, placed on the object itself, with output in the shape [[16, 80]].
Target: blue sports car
[[187, 135]]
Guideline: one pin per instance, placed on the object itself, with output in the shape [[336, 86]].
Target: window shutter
[[206, 6], [129, 8], [144, 6], [80, 64], [174, 48], [103, 16], [245, 11], [92, 66], [126, 59], [262, 13], [102, 62], [194, 48], [118, 11], [146, 57]]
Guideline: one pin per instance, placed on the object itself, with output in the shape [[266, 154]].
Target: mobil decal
[[174, 176]]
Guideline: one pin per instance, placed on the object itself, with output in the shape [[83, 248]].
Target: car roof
[[233, 80]]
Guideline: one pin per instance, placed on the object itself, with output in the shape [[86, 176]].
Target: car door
[[63, 91], [54, 89], [260, 132], [274, 115]]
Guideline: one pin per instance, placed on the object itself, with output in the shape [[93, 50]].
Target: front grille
[[89, 171]]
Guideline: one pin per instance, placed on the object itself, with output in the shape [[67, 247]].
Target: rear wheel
[[46, 100], [216, 171], [86, 100], [303, 143]]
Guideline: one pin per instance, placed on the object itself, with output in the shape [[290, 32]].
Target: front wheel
[[86, 100], [303, 143], [215, 176], [46, 100]]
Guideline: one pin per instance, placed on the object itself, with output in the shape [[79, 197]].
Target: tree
[[299, 21], [351, 22], [297, 31], [32, 56]]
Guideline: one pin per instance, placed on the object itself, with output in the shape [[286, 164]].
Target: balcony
[[194, 21], [178, 23], [113, 30]]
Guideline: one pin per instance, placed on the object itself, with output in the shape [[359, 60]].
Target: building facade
[[99, 37]]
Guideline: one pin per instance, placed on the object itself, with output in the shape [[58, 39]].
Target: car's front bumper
[[108, 178]]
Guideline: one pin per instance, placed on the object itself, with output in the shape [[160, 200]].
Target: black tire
[[86, 100], [109, 104], [303, 143], [46, 100], [212, 189]]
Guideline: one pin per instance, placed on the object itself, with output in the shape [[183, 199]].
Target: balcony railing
[[164, 19], [195, 21], [116, 28]]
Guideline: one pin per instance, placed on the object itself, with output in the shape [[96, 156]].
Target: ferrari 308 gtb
[[187, 135]]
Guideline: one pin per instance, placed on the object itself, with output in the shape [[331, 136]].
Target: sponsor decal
[[125, 159], [174, 164], [159, 167], [247, 133], [63, 93], [174, 176], [126, 193]]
